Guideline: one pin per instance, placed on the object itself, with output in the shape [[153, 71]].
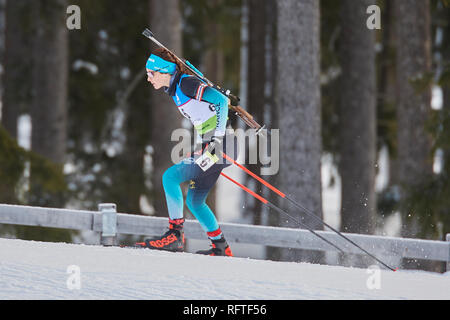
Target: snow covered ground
[[35, 270]]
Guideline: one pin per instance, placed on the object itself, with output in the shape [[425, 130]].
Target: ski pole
[[272, 206], [308, 212]]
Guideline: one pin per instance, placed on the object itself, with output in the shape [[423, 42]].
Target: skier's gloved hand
[[215, 144]]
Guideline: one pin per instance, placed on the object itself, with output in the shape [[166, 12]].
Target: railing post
[[109, 223], [447, 238]]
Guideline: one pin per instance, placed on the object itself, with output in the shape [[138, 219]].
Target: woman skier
[[207, 109]]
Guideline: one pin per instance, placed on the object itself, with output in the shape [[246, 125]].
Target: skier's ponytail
[[169, 56]]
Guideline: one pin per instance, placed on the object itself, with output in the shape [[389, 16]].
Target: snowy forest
[[359, 90]]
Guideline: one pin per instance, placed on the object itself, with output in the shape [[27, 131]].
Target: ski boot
[[173, 240], [218, 248]]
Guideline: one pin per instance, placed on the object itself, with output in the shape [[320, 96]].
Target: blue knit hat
[[158, 64]]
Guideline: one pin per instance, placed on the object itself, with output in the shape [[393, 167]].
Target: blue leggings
[[199, 187], [201, 183]]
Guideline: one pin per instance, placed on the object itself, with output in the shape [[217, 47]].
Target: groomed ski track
[[31, 270]]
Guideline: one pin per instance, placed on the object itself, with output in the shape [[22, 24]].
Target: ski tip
[[136, 245]]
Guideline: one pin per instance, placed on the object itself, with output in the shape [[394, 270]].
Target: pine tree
[[413, 100], [298, 103], [166, 24], [50, 89], [357, 119]]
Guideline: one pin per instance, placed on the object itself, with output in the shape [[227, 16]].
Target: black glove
[[214, 144]]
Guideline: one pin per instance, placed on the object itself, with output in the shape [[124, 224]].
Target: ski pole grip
[[148, 33]]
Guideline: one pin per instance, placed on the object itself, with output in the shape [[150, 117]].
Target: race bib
[[207, 160]]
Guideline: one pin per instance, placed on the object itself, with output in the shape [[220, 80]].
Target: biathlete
[[207, 109]]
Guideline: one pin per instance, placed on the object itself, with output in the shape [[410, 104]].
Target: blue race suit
[[207, 109]]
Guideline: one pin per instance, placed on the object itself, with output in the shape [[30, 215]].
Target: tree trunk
[[387, 89], [256, 83], [298, 101], [413, 99], [273, 219], [16, 64], [50, 73], [357, 119], [166, 25], [446, 86]]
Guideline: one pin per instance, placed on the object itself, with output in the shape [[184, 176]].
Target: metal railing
[[109, 224]]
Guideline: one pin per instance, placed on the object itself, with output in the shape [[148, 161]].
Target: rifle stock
[[246, 117]]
